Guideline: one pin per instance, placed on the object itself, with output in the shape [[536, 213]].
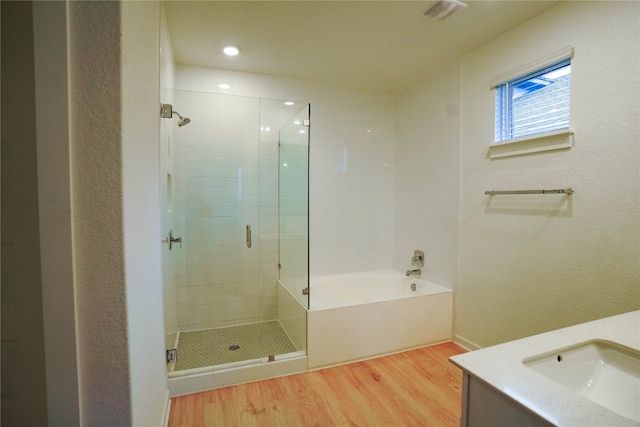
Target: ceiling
[[380, 46]]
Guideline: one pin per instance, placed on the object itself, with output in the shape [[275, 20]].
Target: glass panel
[[294, 206], [167, 223]]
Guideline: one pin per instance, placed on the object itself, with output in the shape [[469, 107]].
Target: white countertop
[[501, 367]]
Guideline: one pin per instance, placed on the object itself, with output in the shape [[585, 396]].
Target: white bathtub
[[362, 288], [362, 315]]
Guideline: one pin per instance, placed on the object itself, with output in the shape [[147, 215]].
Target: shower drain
[[234, 347]]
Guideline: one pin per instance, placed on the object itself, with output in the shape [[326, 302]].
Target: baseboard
[[466, 344], [167, 409]]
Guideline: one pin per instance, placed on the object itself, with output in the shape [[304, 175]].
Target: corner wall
[[529, 264]]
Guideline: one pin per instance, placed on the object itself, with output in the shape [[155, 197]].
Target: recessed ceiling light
[[231, 50], [224, 86], [289, 103]]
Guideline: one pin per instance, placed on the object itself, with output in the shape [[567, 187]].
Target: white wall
[[534, 263], [352, 166], [427, 175]]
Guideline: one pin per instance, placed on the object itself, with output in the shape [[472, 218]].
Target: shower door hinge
[[171, 240], [279, 266], [306, 122], [172, 355], [166, 111]]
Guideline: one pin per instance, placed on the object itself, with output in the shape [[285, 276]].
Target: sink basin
[[602, 371]]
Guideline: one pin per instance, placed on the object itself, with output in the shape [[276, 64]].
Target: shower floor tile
[[211, 347]]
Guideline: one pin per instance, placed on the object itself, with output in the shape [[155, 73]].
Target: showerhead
[[183, 120]]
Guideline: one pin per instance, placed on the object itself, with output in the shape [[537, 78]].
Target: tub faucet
[[414, 272]]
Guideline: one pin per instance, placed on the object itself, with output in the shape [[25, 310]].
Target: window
[[534, 103]]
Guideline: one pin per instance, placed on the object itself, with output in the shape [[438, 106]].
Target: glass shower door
[[224, 301], [216, 171]]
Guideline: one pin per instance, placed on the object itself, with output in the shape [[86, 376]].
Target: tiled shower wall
[[224, 179]]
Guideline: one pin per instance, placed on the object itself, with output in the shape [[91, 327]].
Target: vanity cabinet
[[485, 406]]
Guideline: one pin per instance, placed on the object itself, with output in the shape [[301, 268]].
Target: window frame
[[505, 100], [542, 141]]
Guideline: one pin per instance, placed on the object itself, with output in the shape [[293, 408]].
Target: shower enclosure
[[235, 212]]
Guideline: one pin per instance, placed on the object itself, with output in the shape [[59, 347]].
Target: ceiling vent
[[443, 9]]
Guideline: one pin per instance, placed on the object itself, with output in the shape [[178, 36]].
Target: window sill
[[549, 141]]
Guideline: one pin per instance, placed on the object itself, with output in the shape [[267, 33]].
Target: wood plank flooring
[[414, 388]]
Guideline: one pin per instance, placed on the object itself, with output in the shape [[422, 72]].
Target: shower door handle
[[248, 236]]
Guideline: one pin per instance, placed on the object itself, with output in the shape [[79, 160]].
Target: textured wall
[[113, 64], [98, 234], [534, 263]]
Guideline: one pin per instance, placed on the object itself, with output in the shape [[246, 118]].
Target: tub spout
[[414, 272]]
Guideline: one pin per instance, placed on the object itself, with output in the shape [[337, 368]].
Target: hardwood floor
[[414, 388]]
